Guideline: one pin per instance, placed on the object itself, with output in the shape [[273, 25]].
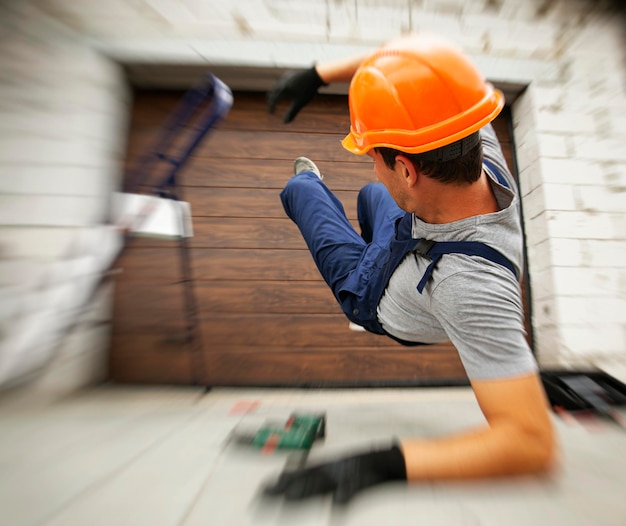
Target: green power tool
[[299, 432]]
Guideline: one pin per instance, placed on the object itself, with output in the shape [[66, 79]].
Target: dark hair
[[465, 169]]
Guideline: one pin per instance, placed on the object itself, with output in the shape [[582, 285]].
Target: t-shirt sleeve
[[482, 314]]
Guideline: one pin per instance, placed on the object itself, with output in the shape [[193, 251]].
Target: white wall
[[571, 132], [569, 121], [63, 110]]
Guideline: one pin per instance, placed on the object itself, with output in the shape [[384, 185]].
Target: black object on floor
[[593, 391]]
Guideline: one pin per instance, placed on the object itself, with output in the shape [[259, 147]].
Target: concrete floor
[[161, 457]]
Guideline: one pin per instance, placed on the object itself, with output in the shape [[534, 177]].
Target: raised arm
[[484, 322], [518, 438], [339, 70], [299, 87]]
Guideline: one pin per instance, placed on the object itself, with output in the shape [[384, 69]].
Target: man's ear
[[405, 167]]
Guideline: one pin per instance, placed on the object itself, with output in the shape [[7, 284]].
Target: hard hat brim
[[442, 134]]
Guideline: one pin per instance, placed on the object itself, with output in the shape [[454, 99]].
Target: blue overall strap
[[496, 172], [435, 249], [360, 293]]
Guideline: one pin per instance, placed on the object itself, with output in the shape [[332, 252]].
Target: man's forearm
[[519, 437], [485, 453], [339, 70], [343, 70]]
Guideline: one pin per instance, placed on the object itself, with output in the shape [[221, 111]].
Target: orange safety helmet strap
[[416, 95]]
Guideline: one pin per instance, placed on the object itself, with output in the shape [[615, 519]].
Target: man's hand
[[298, 86], [343, 478]]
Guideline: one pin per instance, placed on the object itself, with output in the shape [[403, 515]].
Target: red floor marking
[[270, 445], [244, 407]]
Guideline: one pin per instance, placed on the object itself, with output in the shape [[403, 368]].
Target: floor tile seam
[[93, 487], [207, 479]]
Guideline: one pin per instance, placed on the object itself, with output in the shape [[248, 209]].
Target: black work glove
[[298, 86], [343, 478]]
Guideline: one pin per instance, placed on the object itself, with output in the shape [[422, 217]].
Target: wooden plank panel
[[271, 173], [169, 324], [241, 232], [357, 367], [234, 232], [155, 265], [267, 317], [143, 358], [149, 358], [276, 297], [261, 330], [276, 265], [133, 297], [249, 202], [229, 296], [250, 144]]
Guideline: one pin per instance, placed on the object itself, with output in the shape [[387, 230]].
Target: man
[[439, 255]]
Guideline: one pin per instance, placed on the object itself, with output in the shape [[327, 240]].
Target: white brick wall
[[569, 122], [574, 199], [63, 109]]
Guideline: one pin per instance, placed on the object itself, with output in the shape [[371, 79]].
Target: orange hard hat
[[417, 94]]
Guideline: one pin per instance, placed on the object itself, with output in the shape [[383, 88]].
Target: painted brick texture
[[63, 110]]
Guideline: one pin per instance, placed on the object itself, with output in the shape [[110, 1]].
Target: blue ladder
[[201, 108]]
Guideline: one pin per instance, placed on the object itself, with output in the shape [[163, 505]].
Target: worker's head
[[422, 97]]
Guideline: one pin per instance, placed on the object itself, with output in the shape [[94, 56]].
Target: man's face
[[391, 178]]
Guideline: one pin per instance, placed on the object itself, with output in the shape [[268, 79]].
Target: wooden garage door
[[266, 317]]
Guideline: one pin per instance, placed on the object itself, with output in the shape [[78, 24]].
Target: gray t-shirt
[[472, 302]]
